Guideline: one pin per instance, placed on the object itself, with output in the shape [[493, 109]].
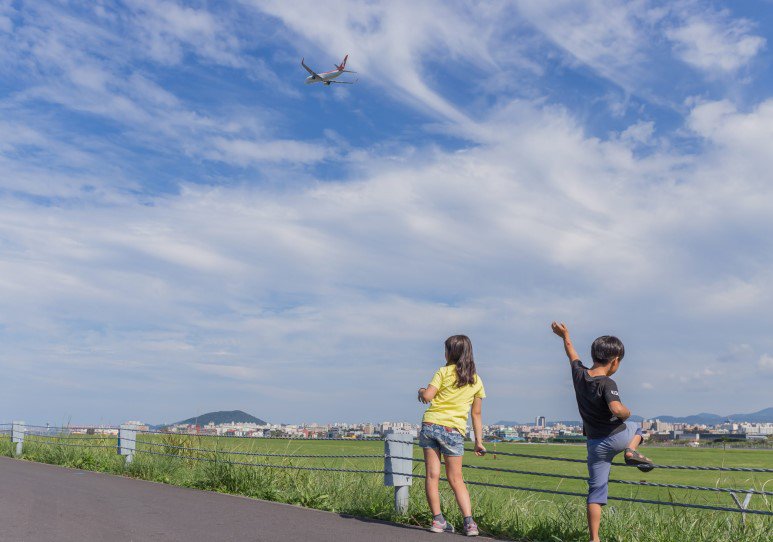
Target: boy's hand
[[480, 450], [560, 329]]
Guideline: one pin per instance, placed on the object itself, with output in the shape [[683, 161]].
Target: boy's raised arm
[[562, 331]]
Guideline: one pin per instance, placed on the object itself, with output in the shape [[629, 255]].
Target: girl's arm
[[477, 425], [426, 395]]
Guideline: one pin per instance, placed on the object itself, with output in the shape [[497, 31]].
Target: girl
[[452, 391]]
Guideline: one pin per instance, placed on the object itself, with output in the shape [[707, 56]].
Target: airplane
[[328, 77]]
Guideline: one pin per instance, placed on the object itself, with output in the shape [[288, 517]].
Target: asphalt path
[[41, 503]]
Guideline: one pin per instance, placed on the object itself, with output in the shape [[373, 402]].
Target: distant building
[[507, 433], [540, 421], [139, 425], [661, 427]]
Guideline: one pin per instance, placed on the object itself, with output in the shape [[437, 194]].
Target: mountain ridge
[[703, 418], [221, 416], [707, 418]]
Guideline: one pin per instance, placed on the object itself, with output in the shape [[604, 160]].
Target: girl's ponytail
[[459, 353]]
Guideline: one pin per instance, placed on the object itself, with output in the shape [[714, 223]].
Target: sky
[[186, 227]]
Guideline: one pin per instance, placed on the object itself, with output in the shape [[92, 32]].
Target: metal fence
[[398, 457]]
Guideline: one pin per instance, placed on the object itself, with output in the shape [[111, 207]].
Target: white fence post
[[17, 436], [398, 466], [127, 441], [744, 505]]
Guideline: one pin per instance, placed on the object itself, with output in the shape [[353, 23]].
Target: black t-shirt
[[594, 393]]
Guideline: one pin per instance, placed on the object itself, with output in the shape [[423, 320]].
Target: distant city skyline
[[244, 426], [762, 416], [185, 226]]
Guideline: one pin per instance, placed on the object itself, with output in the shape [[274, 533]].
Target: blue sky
[[185, 226]]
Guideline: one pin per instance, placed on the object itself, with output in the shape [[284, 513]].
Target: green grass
[[516, 515]]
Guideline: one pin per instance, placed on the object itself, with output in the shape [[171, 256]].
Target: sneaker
[[441, 526], [471, 529]]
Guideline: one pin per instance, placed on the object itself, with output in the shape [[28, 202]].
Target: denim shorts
[[438, 437], [601, 451]]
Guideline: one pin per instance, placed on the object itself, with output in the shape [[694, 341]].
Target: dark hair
[[459, 353], [606, 348]]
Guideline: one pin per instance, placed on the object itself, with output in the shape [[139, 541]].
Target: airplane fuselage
[[323, 77]]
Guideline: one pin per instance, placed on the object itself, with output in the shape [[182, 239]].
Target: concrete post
[[17, 436], [398, 466], [744, 505], [127, 441]]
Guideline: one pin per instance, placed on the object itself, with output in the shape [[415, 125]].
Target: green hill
[[222, 416]]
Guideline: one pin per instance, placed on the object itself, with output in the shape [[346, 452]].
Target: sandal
[[644, 464]]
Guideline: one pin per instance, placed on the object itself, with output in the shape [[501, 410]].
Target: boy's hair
[[606, 348], [459, 353]]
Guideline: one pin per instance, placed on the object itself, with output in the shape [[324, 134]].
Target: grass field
[[510, 514]]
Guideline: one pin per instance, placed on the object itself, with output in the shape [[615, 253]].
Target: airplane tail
[[342, 66]]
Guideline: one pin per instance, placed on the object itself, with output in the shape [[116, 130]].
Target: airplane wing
[[312, 72], [342, 82]]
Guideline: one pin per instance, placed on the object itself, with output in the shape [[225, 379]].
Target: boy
[[603, 416]]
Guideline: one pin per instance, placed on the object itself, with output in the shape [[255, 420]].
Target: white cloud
[[245, 152], [700, 377], [714, 42], [611, 37], [765, 363], [641, 132], [641, 45], [167, 29], [739, 132], [237, 372], [732, 294]]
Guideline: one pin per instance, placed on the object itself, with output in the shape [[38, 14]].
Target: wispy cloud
[[765, 363], [715, 41]]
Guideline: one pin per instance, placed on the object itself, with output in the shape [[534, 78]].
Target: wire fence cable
[[680, 467], [56, 440]]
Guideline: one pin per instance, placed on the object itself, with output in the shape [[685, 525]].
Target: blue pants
[[601, 451]]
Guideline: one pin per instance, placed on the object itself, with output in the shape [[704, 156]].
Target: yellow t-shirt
[[451, 405]]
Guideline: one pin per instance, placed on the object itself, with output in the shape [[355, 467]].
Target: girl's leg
[[432, 481], [456, 481]]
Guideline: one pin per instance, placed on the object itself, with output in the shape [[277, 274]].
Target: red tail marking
[[342, 66]]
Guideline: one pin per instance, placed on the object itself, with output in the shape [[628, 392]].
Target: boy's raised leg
[[633, 457], [635, 442]]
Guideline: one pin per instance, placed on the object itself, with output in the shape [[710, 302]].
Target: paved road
[[41, 503]]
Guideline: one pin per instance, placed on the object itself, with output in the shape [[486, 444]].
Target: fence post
[[17, 436], [127, 441], [398, 466], [744, 505]]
